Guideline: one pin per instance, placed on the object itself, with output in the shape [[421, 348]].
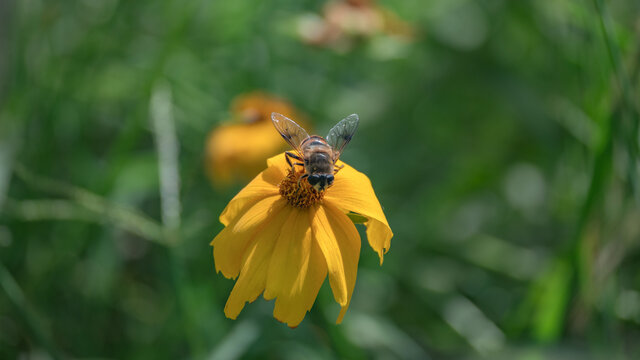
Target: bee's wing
[[340, 135], [293, 133]]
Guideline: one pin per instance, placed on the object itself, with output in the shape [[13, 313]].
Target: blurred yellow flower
[[282, 238], [238, 148]]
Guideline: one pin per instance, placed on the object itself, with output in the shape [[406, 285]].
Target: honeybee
[[317, 155]]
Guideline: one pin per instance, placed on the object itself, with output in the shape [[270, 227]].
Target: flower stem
[[17, 298]]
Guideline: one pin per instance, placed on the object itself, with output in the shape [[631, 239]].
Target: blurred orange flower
[[345, 21], [282, 238], [237, 149]]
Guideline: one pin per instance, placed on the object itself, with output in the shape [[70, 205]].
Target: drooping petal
[[255, 264], [231, 244], [263, 185], [339, 242], [326, 239], [296, 272], [291, 254], [352, 191], [292, 307], [349, 242]]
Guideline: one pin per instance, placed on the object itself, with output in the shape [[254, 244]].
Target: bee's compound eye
[[330, 179], [313, 179]]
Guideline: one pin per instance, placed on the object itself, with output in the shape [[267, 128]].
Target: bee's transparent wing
[[293, 133], [340, 135]]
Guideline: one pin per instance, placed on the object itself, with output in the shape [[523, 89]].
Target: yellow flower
[[282, 238], [238, 148]]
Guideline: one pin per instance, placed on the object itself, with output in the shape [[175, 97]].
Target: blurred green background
[[501, 139]]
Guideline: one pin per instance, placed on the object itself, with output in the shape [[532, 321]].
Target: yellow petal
[[349, 242], [339, 242], [326, 240], [255, 265], [291, 255], [263, 185], [291, 308], [352, 191], [279, 162], [230, 245], [296, 272]]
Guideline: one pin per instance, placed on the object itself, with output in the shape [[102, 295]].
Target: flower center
[[298, 192]]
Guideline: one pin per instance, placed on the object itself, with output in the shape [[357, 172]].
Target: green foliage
[[501, 140]]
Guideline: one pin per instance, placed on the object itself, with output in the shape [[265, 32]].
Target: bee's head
[[320, 182]]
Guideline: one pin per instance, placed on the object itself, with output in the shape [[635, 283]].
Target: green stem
[[84, 200], [17, 298], [578, 277], [628, 107]]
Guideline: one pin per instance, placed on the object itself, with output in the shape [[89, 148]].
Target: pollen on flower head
[[299, 193]]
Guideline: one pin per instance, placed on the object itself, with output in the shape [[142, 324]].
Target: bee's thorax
[[317, 156]]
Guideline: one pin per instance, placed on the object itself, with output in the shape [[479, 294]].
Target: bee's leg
[[288, 154], [293, 155], [337, 168], [286, 157], [302, 177]]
